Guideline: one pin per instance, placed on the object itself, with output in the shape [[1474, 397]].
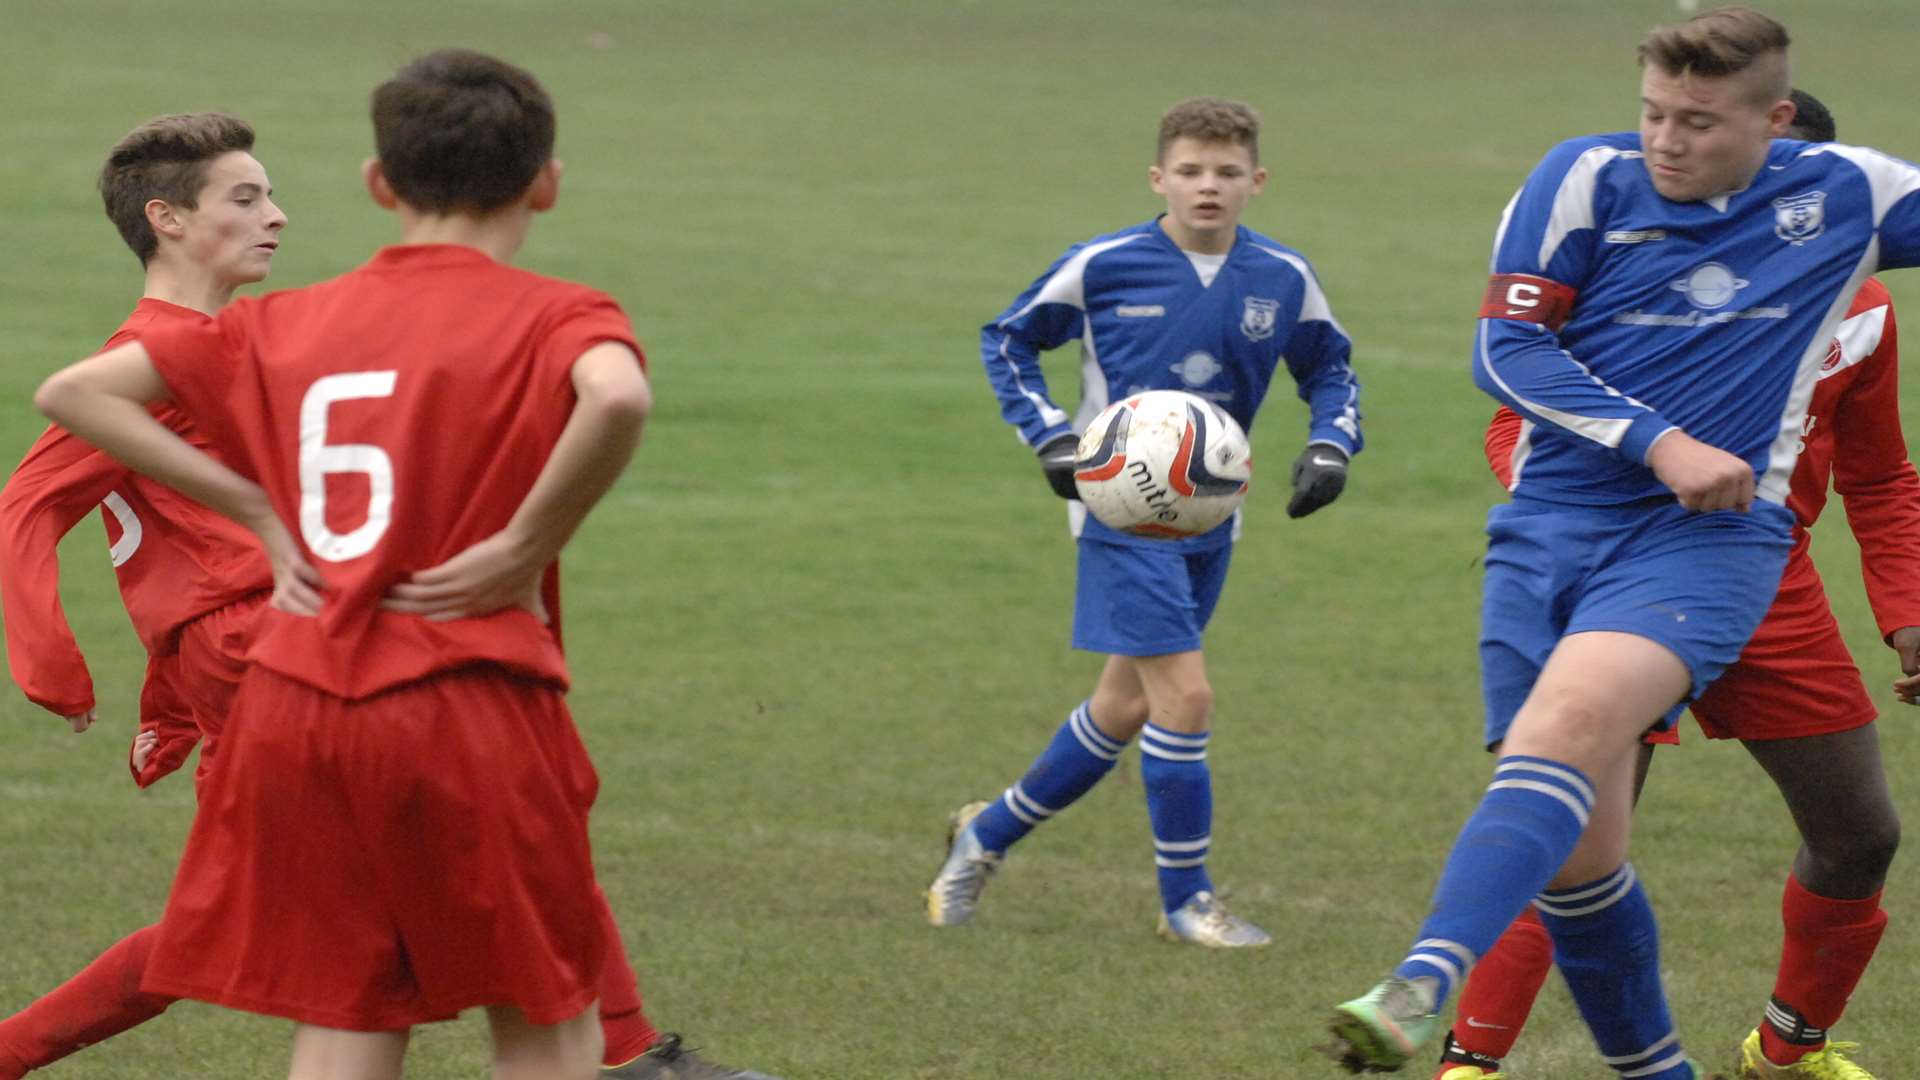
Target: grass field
[[830, 600]]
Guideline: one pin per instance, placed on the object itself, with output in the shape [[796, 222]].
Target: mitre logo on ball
[[1163, 463]]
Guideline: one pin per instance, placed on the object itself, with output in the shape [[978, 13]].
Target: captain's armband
[[1526, 298]]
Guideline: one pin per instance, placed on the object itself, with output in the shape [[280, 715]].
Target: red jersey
[[1852, 438], [395, 415], [176, 560]]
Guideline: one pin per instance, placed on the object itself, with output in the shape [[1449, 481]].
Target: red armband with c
[[1526, 298]]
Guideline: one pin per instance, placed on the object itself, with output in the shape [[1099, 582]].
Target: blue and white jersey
[[1146, 320], [1616, 315]]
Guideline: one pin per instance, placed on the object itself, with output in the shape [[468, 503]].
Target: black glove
[[1056, 460], [1319, 475]]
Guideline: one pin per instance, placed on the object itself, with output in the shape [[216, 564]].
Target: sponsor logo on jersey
[[1256, 320], [1799, 218], [1140, 311], [1637, 317], [1710, 286], [1636, 236], [1196, 369]]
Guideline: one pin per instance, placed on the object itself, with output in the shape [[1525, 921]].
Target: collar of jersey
[[414, 256]]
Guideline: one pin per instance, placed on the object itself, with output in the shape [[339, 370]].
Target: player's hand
[[143, 745], [1906, 642], [1319, 476], [495, 574], [1056, 460], [81, 721], [296, 584], [1702, 477]]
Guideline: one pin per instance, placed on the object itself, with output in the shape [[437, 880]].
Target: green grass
[[830, 600]]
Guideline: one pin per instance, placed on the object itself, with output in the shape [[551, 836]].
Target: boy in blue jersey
[[1660, 308], [1189, 301]]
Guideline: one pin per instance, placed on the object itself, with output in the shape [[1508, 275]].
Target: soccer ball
[[1163, 463]]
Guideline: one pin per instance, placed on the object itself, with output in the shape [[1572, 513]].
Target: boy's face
[[235, 229], [1206, 184], [1706, 136]]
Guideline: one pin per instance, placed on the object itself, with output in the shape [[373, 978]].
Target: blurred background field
[[830, 600]]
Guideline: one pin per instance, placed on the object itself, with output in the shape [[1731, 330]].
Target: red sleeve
[[199, 362], [1878, 486], [60, 482], [594, 320], [165, 712], [1503, 434]]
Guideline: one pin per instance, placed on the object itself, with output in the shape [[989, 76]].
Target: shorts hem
[[1852, 723], [394, 1020], [1695, 685], [1135, 650]]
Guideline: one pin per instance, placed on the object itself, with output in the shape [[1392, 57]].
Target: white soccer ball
[[1163, 463]]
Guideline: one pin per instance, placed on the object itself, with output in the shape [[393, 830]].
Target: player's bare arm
[[103, 400], [1702, 477], [504, 569]]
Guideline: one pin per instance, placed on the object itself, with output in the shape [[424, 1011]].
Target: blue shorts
[[1145, 601], [1698, 584]]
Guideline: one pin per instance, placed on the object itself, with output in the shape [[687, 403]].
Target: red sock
[[1827, 948], [1500, 992], [623, 1023], [99, 1003]]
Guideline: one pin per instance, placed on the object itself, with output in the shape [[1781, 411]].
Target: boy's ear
[[545, 189], [377, 186], [164, 220]]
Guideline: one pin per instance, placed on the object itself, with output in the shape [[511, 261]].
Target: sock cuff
[[1591, 898], [1557, 780], [1808, 910], [1167, 745], [1091, 738]]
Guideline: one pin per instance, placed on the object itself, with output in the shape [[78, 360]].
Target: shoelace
[[1832, 1058]]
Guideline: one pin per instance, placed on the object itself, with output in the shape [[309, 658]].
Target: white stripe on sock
[[1622, 885], [1571, 778], [1560, 793]]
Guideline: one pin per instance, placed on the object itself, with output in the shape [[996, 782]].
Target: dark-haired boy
[[195, 207], [434, 426], [1190, 301]]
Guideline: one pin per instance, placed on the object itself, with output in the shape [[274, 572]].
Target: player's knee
[[1863, 850], [1188, 708]]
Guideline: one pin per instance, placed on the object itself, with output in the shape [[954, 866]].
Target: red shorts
[[379, 863], [187, 693], [1794, 679]]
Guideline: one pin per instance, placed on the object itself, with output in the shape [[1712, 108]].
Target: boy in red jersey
[[195, 207], [1796, 700], [437, 425]]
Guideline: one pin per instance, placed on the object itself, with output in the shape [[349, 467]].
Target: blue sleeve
[[1047, 315], [1896, 184], [1317, 357], [1550, 231]]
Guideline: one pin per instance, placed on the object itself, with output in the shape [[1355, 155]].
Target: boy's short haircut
[[1812, 120], [1722, 42], [165, 158], [460, 131], [1210, 119]]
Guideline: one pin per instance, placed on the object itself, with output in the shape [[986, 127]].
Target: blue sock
[[1079, 755], [1527, 824], [1173, 769], [1608, 948]]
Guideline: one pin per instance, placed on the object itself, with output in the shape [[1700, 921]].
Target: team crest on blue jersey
[[1256, 320], [1197, 368], [1799, 218], [1710, 285]]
